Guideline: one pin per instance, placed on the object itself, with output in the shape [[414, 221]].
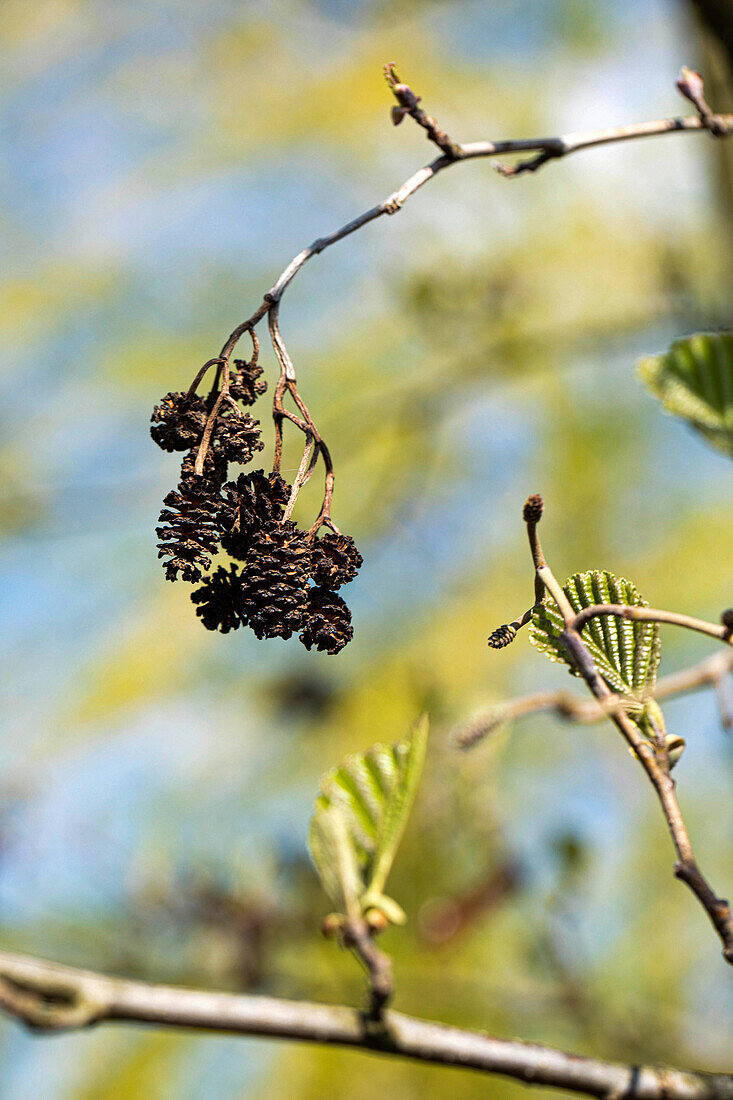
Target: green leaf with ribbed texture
[[694, 380], [360, 816], [625, 653]]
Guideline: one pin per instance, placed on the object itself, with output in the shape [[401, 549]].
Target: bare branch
[[712, 672], [652, 615], [451, 152], [549, 148], [52, 997]]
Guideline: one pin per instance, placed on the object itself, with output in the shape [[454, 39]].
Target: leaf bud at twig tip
[[502, 636], [534, 506], [726, 619], [690, 84]]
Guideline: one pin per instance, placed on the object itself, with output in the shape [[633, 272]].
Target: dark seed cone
[[276, 581], [178, 422], [189, 531], [246, 383], [534, 506], [236, 437], [254, 502], [220, 600], [502, 636], [327, 624], [335, 560], [215, 467]]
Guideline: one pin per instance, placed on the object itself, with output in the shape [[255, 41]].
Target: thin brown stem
[[300, 477], [653, 615], [378, 966], [211, 422], [549, 148], [197, 380], [408, 105], [451, 152], [712, 672]]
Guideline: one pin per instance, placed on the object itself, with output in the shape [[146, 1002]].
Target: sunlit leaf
[[694, 380], [360, 816], [626, 653]]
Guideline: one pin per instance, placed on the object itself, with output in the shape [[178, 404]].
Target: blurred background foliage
[[164, 161]]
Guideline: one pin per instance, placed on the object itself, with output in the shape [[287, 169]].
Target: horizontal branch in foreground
[[49, 996]]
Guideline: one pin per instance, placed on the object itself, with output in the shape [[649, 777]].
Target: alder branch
[[50, 997], [551, 148], [712, 672], [451, 152], [653, 615], [653, 758]]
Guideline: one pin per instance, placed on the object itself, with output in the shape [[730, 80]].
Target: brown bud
[[690, 84], [376, 920], [332, 926], [727, 620], [534, 506]]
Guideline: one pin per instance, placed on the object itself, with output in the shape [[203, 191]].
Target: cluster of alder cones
[[282, 580]]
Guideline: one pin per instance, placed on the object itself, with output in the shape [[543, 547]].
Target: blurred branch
[[654, 758], [50, 997], [717, 15], [712, 672]]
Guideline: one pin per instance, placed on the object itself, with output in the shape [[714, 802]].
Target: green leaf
[[360, 816], [625, 653], [694, 380]]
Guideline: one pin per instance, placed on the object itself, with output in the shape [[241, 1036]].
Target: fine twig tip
[[389, 73], [534, 506], [690, 85]]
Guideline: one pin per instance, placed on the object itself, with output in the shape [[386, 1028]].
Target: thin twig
[[451, 152], [52, 997], [360, 938], [652, 615], [712, 672], [551, 148]]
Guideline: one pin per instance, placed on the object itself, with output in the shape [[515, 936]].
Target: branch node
[[690, 84]]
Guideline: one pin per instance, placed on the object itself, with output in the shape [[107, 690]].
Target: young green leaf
[[359, 818], [626, 653], [694, 380]]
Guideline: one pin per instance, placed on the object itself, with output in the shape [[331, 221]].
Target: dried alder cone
[[283, 579]]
